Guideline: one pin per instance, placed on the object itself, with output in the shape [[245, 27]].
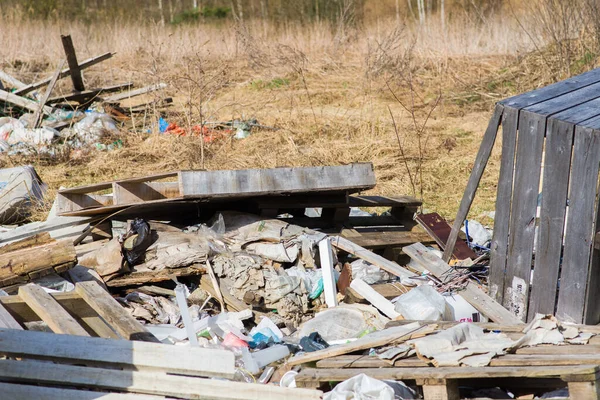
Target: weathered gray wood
[[580, 226], [483, 155], [138, 192], [499, 245], [128, 354], [147, 382], [472, 294], [22, 102], [7, 320], [530, 142], [132, 93], [38, 113], [112, 312], [87, 95], [44, 305], [86, 64], [554, 90], [580, 113], [14, 82], [566, 101], [74, 69], [26, 392], [252, 182], [555, 184]]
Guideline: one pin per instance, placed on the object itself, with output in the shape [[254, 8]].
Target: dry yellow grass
[[326, 88]]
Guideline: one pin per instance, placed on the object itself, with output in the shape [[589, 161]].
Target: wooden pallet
[[442, 383], [88, 311], [222, 185]]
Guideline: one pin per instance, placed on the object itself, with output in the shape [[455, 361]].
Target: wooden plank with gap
[[112, 312], [472, 294], [57, 318], [580, 226], [499, 245], [481, 160], [74, 69], [532, 128], [559, 141]]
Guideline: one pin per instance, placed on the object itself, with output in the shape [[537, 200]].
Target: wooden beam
[[483, 155], [22, 102], [375, 259], [15, 83], [472, 294], [147, 382], [15, 391], [44, 305], [112, 312], [82, 350], [86, 95], [74, 69], [86, 64], [37, 120], [7, 320], [133, 93]]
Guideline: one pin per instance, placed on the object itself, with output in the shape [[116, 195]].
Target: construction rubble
[[263, 284]]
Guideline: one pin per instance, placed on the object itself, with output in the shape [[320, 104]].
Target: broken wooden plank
[[387, 336], [74, 69], [439, 230], [472, 294], [133, 93], [86, 64], [483, 155], [87, 95], [44, 305], [375, 259], [112, 312], [140, 278], [15, 83], [377, 300], [37, 120], [387, 290], [82, 350], [22, 102]]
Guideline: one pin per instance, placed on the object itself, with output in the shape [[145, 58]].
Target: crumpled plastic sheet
[[363, 387]]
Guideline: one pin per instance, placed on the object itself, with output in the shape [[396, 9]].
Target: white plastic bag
[[363, 387], [422, 303]]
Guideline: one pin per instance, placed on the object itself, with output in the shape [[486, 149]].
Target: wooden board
[[566, 100], [15, 391], [375, 259], [439, 230], [7, 320], [387, 290], [149, 383], [483, 155], [499, 245], [112, 312], [559, 141], [133, 93], [385, 237], [74, 69], [580, 226], [38, 113], [121, 353], [22, 102], [521, 235], [472, 294], [390, 335], [57, 318]]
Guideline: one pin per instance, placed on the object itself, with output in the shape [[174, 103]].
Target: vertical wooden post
[[74, 69]]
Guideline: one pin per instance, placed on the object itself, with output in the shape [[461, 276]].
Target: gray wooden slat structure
[[547, 205]]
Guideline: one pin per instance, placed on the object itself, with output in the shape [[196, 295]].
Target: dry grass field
[[331, 89]]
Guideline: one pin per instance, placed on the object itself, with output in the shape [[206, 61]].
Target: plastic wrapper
[[423, 303], [141, 243], [368, 272], [363, 387]]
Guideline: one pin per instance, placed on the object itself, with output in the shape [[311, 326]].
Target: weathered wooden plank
[[86, 64], [386, 238], [580, 226], [22, 102], [74, 69], [472, 294], [524, 206], [149, 383], [580, 113], [112, 312], [132, 93], [499, 245], [37, 120], [14, 82], [592, 302], [309, 375], [483, 155], [566, 101], [375, 259], [44, 305], [7, 320], [81, 350], [559, 141], [551, 91], [380, 338], [87, 95], [439, 230], [69, 202], [253, 182], [138, 192], [22, 392]]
